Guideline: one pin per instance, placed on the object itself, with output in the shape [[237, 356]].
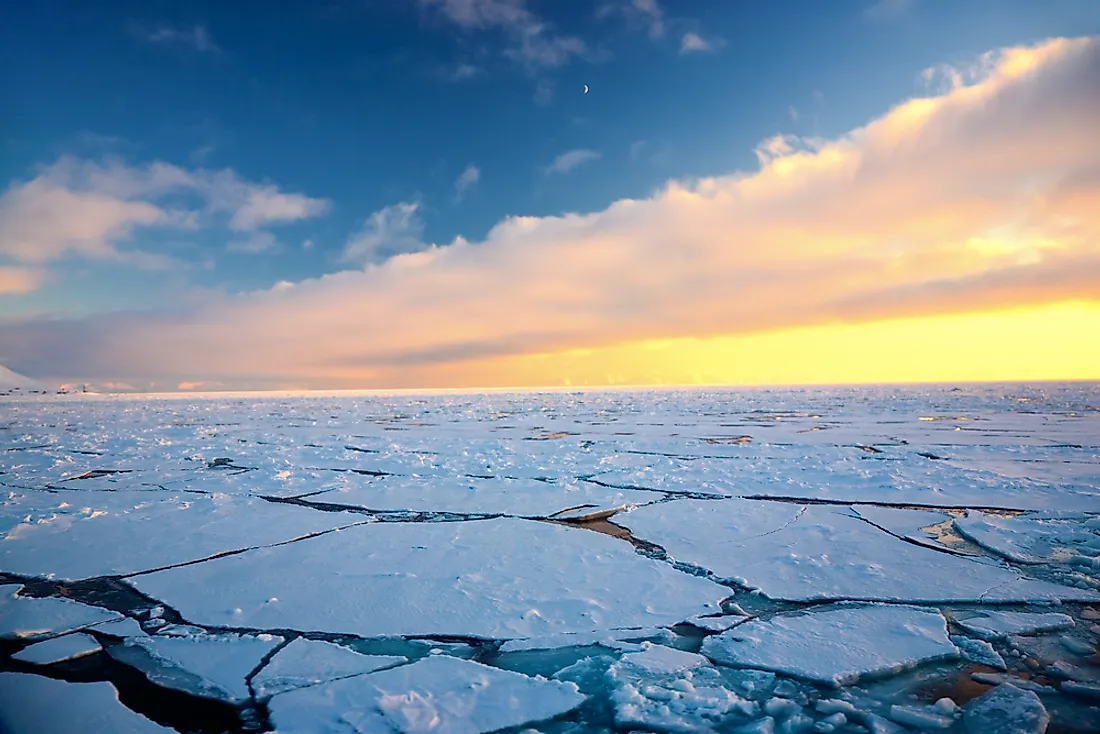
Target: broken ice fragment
[[438, 693], [31, 618], [31, 704], [125, 627], [212, 667], [920, 717], [979, 651], [994, 625], [1006, 710], [309, 662], [66, 647], [839, 646], [1033, 537], [664, 689]]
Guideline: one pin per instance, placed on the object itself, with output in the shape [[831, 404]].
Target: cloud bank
[[980, 197]]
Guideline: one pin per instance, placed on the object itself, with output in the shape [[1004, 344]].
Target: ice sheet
[[812, 552], [836, 646], [438, 693], [208, 666], [31, 618], [501, 578], [66, 647], [303, 663], [30, 704]]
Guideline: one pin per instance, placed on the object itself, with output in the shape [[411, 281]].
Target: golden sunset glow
[[1057, 342]]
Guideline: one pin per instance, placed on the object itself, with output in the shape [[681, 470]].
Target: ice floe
[[31, 704], [813, 552], [836, 646], [59, 649], [209, 666], [1063, 537], [993, 625], [664, 689], [979, 651], [30, 618], [305, 662], [438, 693], [1006, 710], [500, 578], [133, 532]]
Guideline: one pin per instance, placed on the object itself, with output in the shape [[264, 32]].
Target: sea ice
[[212, 667], [25, 617], [125, 627], [610, 639], [438, 693], [1006, 710], [993, 625], [1034, 537], [305, 662], [66, 647], [438, 579], [31, 704], [838, 646], [522, 497], [664, 689], [806, 553], [979, 651], [133, 534]]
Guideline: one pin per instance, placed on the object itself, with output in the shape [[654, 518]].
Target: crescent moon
[[586, 89]]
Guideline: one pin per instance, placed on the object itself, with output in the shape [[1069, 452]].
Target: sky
[[422, 193]]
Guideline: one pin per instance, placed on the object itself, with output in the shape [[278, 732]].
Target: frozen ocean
[[861, 559]]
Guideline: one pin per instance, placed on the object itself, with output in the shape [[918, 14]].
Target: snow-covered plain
[[805, 560]]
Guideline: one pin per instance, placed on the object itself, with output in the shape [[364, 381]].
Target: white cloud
[[196, 38], [466, 179], [393, 230], [644, 12], [256, 243], [570, 159], [888, 9], [89, 209], [544, 92], [982, 197], [307, 245], [694, 43], [531, 40], [636, 149], [461, 72], [793, 112]]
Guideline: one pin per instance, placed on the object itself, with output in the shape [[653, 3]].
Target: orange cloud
[[979, 199]]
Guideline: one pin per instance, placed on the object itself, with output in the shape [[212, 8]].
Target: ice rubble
[[438, 693], [814, 552], [993, 625], [31, 618], [438, 579], [979, 651], [838, 646], [208, 666], [1047, 537], [31, 704], [59, 649], [664, 689], [130, 532], [303, 663], [1006, 710]]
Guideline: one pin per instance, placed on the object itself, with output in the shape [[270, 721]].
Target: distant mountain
[[9, 380]]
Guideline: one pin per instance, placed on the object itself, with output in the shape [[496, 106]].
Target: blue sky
[[446, 116]]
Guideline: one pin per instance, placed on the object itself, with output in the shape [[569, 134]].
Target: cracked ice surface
[[30, 618], [1066, 537], [30, 704], [807, 553], [129, 532], [501, 578], [208, 666], [838, 646], [304, 663], [438, 693]]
